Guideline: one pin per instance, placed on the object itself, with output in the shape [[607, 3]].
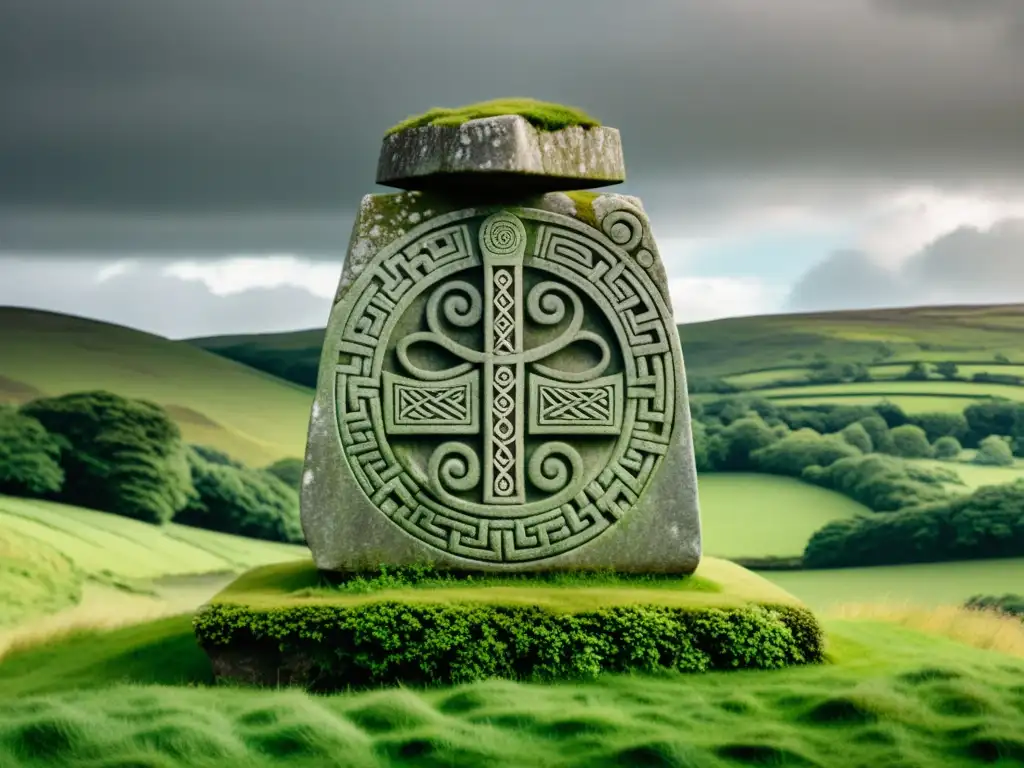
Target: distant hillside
[[249, 414], [721, 348]]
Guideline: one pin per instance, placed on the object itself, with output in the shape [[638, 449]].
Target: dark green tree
[[800, 449], [29, 457], [857, 436], [947, 448], [878, 431], [947, 369], [245, 502], [289, 471], [741, 439], [994, 451], [118, 455], [911, 442]]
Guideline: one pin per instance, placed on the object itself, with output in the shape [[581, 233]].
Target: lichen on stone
[[543, 115], [584, 202]]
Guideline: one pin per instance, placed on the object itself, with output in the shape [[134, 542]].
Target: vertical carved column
[[503, 244]]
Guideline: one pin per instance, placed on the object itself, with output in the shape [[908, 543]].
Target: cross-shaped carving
[[519, 395]]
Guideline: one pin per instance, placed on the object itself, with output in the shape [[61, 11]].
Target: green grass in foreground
[[925, 584], [541, 114], [716, 583], [891, 697], [755, 515]]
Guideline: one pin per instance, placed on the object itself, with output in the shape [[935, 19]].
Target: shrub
[[883, 483], [994, 418], [800, 449], [892, 413], [29, 457], [386, 643], [986, 524], [245, 502], [858, 437], [916, 372], [947, 448], [1009, 603], [118, 455], [288, 471], [997, 378], [878, 431], [936, 425], [910, 442], [740, 439], [947, 370], [994, 451], [701, 385]]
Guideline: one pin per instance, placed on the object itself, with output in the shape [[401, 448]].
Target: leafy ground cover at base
[[890, 696], [287, 623], [753, 515], [925, 584]]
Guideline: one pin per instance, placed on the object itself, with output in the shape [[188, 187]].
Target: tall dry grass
[[987, 629], [100, 609]]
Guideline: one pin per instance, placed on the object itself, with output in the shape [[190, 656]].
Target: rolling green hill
[[249, 414], [48, 551], [762, 353], [741, 345]]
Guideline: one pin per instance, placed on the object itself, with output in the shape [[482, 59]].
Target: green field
[[752, 516], [889, 696], [889, 389], [249, 414], [977, 475], [49, 552], [910, 404], [926, 584]]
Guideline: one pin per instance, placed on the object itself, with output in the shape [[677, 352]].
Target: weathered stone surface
[[502, 388], [504, 152]]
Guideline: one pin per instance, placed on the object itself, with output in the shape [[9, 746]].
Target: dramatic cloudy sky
[[191, 166]]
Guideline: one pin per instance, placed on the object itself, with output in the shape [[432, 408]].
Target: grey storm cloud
[[965, 266], [230, 125]]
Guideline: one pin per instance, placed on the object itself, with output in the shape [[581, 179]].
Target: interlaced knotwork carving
[[532, 400]]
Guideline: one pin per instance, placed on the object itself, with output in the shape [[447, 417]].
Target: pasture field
[[250, 415], [977, 475], [755, 515], [932, 388], [889, 696], [924, 584], [908, 403], [50, 554]]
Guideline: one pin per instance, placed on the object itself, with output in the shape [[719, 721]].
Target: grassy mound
[[284, 623], [889, 696], [544, 115]]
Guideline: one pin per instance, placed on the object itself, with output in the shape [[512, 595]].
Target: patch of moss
[[543, 115], [584, 202]]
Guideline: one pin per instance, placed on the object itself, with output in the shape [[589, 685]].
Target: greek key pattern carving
[[498, 450]]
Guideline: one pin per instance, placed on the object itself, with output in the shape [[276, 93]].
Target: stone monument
[[502, 384]]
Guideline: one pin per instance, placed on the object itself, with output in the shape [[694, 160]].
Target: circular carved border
[[582, 257]]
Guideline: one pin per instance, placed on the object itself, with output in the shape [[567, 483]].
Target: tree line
[[127, 457], [863, 452]]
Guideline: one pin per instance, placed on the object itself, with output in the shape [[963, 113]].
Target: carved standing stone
[[502, 388]]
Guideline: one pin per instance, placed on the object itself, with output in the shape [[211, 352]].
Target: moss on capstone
[[543, 115]]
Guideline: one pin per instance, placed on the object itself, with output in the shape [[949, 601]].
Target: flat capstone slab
[[504, 152]]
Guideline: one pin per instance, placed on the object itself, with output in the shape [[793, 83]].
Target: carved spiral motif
[[553, 465], [503, 235], [623, 228], [454, 466]]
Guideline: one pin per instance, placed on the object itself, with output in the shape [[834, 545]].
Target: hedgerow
[[331, 647]]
